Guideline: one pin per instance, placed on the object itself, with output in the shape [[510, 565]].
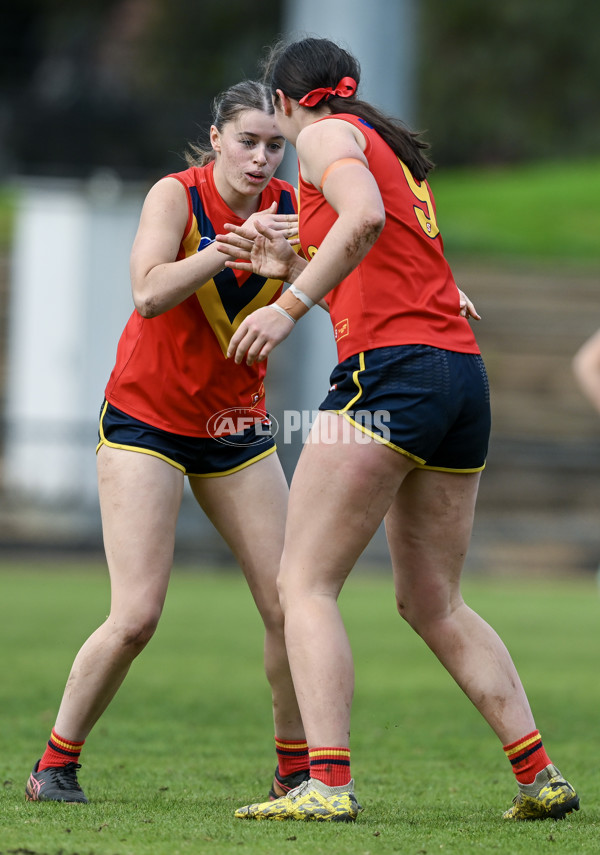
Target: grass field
[[189, 737], [542, 213]]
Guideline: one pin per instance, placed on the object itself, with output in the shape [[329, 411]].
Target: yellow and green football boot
[[311, 801], [550, 796]]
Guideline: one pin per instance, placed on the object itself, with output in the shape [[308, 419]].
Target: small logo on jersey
[[341, 329], [241, 426], [428, 227], [257, 396], [333, 388], [204, 242]]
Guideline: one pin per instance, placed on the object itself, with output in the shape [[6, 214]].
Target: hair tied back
[[345, 89]]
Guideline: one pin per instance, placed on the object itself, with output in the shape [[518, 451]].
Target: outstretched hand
[[287, 224], [267, 253]]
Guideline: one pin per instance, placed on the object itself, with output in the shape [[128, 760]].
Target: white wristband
[[300, 295], [282, 312]]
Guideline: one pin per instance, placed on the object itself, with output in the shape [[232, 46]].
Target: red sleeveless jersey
[[171, 370], [403, 291]]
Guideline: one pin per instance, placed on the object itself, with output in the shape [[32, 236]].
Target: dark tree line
[[117, 83], [511, 80], [125, 83]]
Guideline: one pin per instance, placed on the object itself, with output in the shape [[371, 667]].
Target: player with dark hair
[[171, 377], [411, 381]]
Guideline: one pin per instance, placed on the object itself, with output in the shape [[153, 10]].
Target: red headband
[[345, 88]]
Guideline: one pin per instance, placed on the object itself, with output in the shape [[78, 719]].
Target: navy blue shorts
[[430, 404], [202, 457]]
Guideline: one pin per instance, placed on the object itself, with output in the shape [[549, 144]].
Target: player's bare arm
[[331, 155], [158, 281], [586, 368], [353, 193]]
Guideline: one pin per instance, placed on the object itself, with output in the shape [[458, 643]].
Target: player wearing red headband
[[406, 424]]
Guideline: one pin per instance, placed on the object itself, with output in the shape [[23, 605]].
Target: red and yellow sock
[[527, 757], [59, 752], [292, 755], [330, 765]]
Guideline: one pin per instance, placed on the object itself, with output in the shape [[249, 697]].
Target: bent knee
[[425, 614], [407, 612], [135, 631], [286, 588], [420, 609], [272, 617]]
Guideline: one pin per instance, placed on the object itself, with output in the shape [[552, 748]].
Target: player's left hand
[[258, 334]]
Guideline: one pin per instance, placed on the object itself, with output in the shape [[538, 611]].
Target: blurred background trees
[[118, 83], [108, 92], [124, 83], [510, 81]]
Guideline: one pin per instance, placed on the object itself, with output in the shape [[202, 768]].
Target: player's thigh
[[140, 497], [248, 508], [342, 487], [428, 527]]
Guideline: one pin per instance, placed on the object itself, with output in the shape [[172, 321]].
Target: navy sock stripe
[[524, 754], [64, 751]]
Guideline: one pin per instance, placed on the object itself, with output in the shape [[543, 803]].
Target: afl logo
[[228, 426]]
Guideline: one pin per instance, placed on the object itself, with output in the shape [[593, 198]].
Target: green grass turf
[[540, 213], [189, 737]]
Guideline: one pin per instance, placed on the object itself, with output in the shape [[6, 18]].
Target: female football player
[[411, 380], [161, 411]]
